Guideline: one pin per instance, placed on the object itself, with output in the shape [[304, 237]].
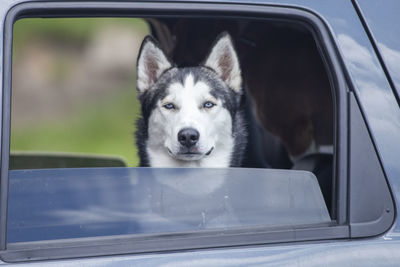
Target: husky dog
[[191, 117]]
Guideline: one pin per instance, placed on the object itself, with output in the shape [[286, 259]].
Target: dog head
[[189, 111]]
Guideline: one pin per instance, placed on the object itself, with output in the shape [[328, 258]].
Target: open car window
[[74, 118], [75, 113]]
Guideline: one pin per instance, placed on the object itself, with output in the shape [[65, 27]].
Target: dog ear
[[224, 60], [151, 63]]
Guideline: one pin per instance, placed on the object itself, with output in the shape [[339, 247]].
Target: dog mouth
[[190, 154], [209, 152]]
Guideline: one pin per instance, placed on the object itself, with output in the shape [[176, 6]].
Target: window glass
[[71, 203], [77, 147]]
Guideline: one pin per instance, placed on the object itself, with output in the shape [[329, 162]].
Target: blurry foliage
[[104, 125], [72, 31], [104, 128]]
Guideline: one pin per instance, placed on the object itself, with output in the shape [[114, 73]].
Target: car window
[[79, 103], [75, 105]]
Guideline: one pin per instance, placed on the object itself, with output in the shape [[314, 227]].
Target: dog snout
[[188, 137]]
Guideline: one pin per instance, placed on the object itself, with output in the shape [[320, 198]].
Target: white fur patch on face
[[214, 126]]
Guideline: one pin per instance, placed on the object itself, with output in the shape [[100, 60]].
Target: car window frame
[[181, 241]]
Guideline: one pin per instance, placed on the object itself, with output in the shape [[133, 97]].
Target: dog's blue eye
[[208, 104], [169, 106]]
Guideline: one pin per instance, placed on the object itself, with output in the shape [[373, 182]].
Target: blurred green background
[[73, 86]]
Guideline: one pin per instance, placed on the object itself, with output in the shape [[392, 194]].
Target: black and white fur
[[191, 117]]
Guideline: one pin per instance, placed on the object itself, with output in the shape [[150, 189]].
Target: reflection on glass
[[71, 203]]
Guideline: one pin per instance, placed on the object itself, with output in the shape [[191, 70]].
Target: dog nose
[[188, 137]]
